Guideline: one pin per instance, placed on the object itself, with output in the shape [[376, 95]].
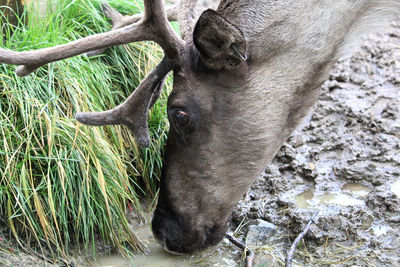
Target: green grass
[[62, 182]]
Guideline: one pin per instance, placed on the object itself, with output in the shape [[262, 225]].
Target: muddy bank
[[13, 255], [345, 162]]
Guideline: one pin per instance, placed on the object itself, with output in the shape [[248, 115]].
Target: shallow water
[[349, 195], [357, 190], [396, 188], [223, 255], [379, 229]]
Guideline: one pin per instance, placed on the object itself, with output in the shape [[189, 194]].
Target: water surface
[[225, 254]]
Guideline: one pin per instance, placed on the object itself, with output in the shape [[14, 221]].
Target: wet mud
[[344, 161]]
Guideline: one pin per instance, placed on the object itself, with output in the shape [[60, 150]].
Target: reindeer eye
[[181, 117]]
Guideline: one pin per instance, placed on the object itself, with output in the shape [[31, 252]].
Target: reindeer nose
[[174, 233], [178, 236]]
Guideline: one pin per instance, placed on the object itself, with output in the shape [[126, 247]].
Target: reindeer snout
[[178, 235], [174, 233]]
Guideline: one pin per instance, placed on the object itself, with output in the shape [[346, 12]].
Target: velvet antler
[[133, 112], [153, 25]]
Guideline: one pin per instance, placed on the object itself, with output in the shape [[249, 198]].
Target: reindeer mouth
[[165, 247], [178, 236], [179, 250]]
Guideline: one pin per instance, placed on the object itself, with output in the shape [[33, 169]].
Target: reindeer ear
[[221, 44]]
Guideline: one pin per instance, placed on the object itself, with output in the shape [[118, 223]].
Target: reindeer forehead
[[196, 79]]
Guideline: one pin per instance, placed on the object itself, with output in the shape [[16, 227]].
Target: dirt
[[12, 255], [343, 161]]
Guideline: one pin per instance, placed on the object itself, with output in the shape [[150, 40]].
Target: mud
[[14, 256], [224, 254], [343, 161]]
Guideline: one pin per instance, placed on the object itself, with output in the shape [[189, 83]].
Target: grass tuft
[[62, 182]]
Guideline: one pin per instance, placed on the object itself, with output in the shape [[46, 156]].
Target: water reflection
[[350, 194], [396, 188], [223, 255]]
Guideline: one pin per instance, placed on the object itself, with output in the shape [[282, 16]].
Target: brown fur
[[242, 114]]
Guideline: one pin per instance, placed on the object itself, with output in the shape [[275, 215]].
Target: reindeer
[[244, 74]]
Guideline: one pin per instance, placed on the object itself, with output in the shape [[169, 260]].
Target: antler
[[186, 17], [133, 112], [153, 25], [119, 21], [183, 11]]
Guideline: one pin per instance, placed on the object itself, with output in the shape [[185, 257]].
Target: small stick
[[249, 253], [288, 262]]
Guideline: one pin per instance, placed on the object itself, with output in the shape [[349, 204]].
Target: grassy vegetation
[[62, 182]]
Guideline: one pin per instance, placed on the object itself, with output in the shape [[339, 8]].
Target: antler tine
[[169, 41], [119, 21], [184, 11], [116, 17], [153, 27], [186, 17], [133, 111]]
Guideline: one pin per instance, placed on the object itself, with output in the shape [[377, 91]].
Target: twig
[[249, 253], [289, 257]]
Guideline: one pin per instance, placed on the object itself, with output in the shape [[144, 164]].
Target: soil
[[344, 161], [12, 255]]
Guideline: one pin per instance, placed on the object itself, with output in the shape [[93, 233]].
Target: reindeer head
[[227, 120], [196, 193], [209, 68], [199, 185]]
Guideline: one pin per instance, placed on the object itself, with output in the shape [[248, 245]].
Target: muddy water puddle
[[379, 230], [349, 195], [224, 254], [396, 188]]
